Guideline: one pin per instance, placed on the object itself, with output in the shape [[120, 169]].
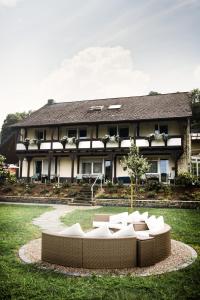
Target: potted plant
[[26, 142]]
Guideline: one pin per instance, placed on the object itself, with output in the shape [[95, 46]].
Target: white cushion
[[160, 221], [144, 216], [101, 232], [142, 233], [155, 224], [125, 232], [74, 230], [99, 223], [151, 222], [119, 218], [134, 217]]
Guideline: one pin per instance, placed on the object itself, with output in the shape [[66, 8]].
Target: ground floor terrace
[[164, 166]]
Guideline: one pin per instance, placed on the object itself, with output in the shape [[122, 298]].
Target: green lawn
[[20, 281]]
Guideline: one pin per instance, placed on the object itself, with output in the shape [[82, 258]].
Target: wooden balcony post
[[78, 164], [20, 167], [72, 167], [115, 168], [49, 165]]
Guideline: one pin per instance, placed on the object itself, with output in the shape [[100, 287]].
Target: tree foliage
[[195, 100], [136, 165], [10, 120]]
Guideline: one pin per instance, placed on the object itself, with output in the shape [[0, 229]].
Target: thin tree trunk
[[131, 191]]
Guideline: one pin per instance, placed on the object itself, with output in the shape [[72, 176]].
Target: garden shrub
[[187, 179], [153, 185], [151, 194], [6, 189]]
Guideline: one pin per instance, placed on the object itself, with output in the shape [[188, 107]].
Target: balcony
[[97, 144]]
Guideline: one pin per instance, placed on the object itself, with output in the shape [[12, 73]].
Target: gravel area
[[182, 256]]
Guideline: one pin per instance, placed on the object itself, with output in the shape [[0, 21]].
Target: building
[[86, 138]]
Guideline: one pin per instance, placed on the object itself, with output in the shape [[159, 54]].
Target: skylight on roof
[[97, 107], [114, 106]]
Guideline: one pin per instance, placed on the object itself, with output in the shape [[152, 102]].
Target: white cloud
[[8, 3], [197, 72], [96, 72]]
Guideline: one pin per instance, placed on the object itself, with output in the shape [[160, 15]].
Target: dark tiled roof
[[164, 106]]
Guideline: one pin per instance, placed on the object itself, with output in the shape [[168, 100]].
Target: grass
[[20, 281]]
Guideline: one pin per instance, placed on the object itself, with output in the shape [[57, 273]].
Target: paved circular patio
[[181, 257]]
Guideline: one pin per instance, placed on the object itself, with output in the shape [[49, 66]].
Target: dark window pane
[[86, 168], [153, 166], [156, 127], [124, 132], [112, 131], [97, 167], [164, 129], [40, 134], [83, 133], [71, 132]]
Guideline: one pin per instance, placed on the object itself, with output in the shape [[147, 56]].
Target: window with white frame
[[153, 166], [195, 166], [40, 134], [91, 167]]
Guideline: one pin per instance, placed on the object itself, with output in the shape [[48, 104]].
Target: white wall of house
[[64, 167]]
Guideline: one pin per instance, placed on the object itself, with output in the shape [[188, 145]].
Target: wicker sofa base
[[89, 253], [109, 253]]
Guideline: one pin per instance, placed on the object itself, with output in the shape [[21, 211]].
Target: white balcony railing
[[172, 141]]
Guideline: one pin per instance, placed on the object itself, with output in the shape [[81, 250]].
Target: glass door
[[108, 170], [164, 169], [38, 169]]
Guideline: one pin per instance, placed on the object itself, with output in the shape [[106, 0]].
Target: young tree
[[136, 165]]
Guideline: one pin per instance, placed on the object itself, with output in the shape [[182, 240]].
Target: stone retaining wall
[[150, 203], [105, 202], [42, 200]]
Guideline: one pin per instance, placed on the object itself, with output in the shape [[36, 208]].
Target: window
[[164, 129], [112, 131], [124, 132], [72, 133], [194, 168], [153, 166], [97, 167], [41, 134], [91, 167], [114, 106], [82, 133], [161, 128], [86, 168]]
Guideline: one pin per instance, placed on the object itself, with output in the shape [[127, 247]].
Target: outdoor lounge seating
[[100, 248]]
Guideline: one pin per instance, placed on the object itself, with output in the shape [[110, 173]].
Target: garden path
[[51, 220]]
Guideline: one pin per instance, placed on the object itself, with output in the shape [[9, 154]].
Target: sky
[[70, 50]]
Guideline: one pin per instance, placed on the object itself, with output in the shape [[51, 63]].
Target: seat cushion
[[133, 217], [74, 230], [101, 232], [125, 232], [119, 218], [144, 216]]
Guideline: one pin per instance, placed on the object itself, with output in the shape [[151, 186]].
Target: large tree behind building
[[8, 136], [195, 97], [10, 120]]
